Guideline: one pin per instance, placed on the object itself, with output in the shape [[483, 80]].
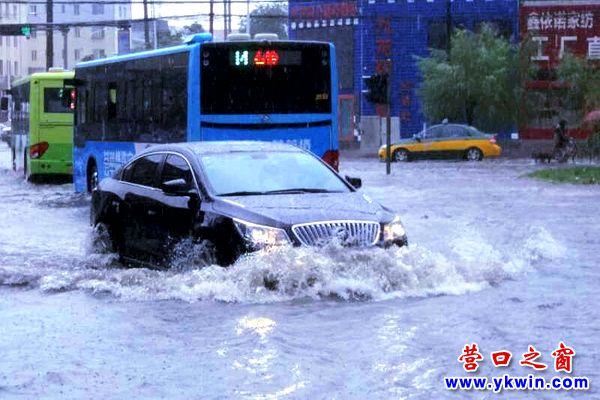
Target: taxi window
[[435, 132]]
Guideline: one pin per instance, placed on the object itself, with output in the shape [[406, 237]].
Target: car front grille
[[348, 233]]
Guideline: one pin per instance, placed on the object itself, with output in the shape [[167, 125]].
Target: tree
[[581, 79], [479, 82], [169, 38], [193, 28], [267, 18]]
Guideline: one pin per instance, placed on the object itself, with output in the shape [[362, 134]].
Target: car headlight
[[394, 230], [260, 235]]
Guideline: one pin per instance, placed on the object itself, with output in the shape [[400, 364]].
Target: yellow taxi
[[443, 141]]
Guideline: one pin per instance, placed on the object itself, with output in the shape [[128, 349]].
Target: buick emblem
[[340, 233]]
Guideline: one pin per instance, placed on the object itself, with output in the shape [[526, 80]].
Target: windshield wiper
[[279, 191], [242, 193], [301, 190]]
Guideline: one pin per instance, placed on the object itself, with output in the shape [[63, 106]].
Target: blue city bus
[[272, 90]]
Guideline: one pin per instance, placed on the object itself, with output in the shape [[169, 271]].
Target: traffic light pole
[[388, 121], [49, 34]]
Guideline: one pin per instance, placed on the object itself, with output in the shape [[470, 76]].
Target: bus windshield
[[265, 78]]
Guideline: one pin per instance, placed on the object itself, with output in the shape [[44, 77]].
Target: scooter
[[563, 153]]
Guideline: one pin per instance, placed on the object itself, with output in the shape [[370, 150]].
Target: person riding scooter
[[564, 145]]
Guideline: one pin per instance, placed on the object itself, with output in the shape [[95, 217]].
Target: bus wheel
[[92, 177]]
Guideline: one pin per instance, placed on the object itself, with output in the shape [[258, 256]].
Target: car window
[[143, 171], [176, 167], [435, 132], [456, 131]]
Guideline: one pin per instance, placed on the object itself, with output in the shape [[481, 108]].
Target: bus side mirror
[[4, 104], [355, 182]]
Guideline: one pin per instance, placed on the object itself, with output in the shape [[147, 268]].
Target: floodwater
[[494, 259]]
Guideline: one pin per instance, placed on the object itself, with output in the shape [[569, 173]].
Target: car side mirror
[[417, 137], [176, 187], [355, 182]]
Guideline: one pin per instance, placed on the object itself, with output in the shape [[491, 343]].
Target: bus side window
[[4, 104], [112, 101]]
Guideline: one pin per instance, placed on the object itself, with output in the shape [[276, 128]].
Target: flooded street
[[494, 258]]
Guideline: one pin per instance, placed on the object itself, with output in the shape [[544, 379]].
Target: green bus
[[42, 125]]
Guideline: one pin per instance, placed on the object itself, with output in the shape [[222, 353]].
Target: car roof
[[200, 148]]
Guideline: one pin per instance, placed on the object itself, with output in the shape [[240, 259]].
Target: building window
[[97, 9], [99, 53], [1, 68], [15, 41], [77, 32], [16, 68], [594, 48], [77, 54], [98, 33], [14, 11], [63, 8], [76, 9], [33, 55], [33, 10], [437, 35]]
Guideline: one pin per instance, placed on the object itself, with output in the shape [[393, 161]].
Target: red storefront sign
[[557, 27], [569, 27], [324, 11]]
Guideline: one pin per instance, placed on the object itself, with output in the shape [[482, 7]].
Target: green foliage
[[174, 38], [592, 145], [193, 28], [581, 175], [582, 78], [167, 39], [479, 82], [268, 18]]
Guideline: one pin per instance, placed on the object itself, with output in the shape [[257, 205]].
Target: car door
[[178, 210], [141, 208], [462, 139], [449, 140], [429, 141]]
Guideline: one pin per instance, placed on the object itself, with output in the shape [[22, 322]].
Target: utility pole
[[448, 26], [211, 15], [146, 27], [248, 17], [49, 34], [388, 119], [64, 29]]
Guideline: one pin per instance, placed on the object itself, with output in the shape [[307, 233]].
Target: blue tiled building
[[396, 30]]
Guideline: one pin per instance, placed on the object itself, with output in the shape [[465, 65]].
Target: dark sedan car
[[237, 196]]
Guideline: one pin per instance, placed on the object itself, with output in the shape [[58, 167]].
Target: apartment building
[[11, 57], [73, 43]]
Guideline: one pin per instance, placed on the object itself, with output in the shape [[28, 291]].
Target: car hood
[[290, 209]]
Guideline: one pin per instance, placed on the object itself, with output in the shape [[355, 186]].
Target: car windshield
[[256, 173]]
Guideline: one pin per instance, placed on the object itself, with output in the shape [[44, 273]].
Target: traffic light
[[15, 30], [377, 88]]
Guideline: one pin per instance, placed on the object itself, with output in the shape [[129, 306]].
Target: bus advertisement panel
[[42, 126], [281, 91]]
